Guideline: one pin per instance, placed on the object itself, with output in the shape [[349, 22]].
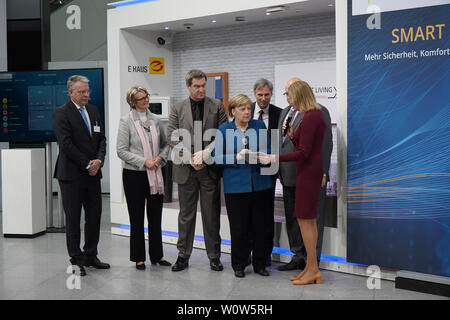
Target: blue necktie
[[85, 119]]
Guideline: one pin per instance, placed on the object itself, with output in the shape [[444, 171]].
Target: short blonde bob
[[237, 101], [131, 95], [302, 96]]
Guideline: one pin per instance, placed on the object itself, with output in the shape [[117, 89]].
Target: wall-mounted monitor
[[29, 98]]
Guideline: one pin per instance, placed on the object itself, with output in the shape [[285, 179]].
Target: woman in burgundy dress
[[308, 141]]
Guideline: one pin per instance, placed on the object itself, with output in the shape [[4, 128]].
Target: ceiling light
[[270, 10]]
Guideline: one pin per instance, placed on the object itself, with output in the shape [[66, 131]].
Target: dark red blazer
[[308, 142]]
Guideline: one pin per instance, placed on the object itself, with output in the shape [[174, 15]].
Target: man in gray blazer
[[288, 177], [189, 121]]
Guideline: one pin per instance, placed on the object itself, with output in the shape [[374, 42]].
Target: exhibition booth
[[379, 215], [151, 44]]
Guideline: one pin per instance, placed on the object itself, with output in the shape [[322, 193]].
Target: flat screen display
[[29, 98]]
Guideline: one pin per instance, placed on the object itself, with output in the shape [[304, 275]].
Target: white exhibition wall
[[321, 76], [251, 51], [135, 50]]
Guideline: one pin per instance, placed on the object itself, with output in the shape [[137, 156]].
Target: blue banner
[[399, 139]]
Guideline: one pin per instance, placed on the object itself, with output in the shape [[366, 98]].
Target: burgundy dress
[[308, 141]]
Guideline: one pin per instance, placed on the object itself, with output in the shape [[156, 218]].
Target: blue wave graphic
[[398, 181]]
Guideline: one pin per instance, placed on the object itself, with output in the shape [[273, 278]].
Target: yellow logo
[[156, 65]]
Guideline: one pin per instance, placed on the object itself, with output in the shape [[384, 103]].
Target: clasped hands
[[198, 158], [94, 166], [153, 164]]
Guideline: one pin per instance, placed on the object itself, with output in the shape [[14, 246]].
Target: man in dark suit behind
[[263, 110], [82, 148]]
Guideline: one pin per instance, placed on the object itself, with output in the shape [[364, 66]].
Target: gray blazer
[[180, 117], [129, 145], [287, 171]]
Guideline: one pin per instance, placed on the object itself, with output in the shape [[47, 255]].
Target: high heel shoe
[[317, 278]]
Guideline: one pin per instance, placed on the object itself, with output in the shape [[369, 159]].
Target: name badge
[[97, 129]]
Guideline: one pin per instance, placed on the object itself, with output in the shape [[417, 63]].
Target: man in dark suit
[[263, 110], [189, 120], [287, 174], [82, 148]]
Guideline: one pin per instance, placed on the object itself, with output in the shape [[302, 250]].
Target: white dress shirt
[[265, 115]]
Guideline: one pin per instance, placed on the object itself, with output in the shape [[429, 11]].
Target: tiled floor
[[36, 269]]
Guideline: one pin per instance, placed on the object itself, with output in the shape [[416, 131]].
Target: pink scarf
[[155, 178]]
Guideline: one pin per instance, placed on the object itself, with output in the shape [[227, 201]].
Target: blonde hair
[[131, 95], [302, 96], [237, 101]]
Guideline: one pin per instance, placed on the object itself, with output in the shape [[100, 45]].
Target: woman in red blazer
[[308, 141]]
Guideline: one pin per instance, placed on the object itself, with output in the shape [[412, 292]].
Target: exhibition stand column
[[49, 184], [23, 193], [59, 225]]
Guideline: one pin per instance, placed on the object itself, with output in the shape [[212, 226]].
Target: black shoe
[[163, 263], [96, 263], [181, 264], [140, 266], [293, 265], [262, 272], [216, 265], [239, 273], [79, 264]]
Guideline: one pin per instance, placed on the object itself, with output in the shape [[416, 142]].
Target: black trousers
[[250, 213], [84, 192], [137, 193]]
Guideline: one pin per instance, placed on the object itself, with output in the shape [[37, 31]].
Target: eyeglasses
[[83, 92], [143, 98]]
